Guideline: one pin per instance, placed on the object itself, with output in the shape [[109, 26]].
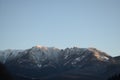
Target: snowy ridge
[[46, 50], [9, 53], [39, 54], [99, 55]]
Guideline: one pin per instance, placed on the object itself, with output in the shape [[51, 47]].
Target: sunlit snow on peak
[[39, 46], [45, 48], [99, 55]]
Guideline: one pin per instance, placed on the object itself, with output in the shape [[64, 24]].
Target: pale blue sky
[[61, 24]]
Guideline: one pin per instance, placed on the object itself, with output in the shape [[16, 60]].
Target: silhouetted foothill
[[115, 77], [4, 75]]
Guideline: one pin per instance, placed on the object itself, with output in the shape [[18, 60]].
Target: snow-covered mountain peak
[[9, 53], [102, 56], [39, 47], [48, 51], [45, 63], [41, 53]]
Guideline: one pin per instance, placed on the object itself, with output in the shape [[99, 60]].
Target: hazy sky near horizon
[[61, 24]]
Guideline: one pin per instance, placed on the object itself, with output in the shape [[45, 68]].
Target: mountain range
[[49, 63]]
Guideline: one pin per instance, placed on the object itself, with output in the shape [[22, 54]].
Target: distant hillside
[[117, 58]]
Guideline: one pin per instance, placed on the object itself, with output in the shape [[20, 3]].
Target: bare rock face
[[49, 63]]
